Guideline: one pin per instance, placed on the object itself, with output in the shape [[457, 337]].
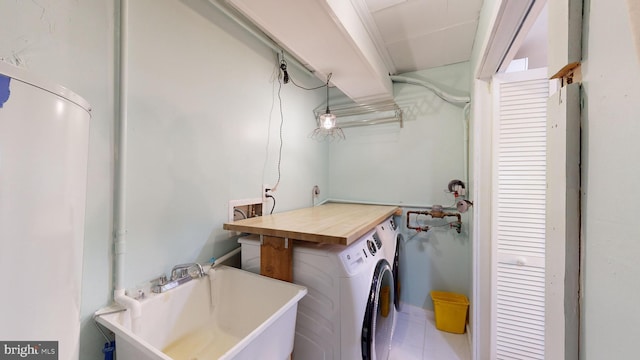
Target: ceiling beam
[[330, 37]]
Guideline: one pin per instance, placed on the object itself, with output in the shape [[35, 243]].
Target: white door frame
[[509, 26]]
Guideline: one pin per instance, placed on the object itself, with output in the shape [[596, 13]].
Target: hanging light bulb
[[327, 128], [328, 120]]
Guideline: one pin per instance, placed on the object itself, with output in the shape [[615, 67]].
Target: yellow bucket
[[450, 310]]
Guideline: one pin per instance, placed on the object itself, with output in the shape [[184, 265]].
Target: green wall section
[[200, 122]]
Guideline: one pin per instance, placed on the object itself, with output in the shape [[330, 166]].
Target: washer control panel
[[352, 258], [372, 247], [393, 224], [376, 238], [360, 252]]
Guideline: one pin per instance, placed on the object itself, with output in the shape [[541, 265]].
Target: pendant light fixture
[[328, 120], [327, 129]]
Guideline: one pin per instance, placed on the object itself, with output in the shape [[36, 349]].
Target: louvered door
[[518, 229]]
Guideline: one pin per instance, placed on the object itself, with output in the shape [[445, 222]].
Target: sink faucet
[[182, 270], [179, 275]]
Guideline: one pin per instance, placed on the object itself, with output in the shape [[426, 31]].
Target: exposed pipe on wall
[[465, 144], [120, 186], [452, 99], [436, 214], [365, 202], [119, 216]]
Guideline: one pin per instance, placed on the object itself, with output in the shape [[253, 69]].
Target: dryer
[[348, 312], [392, 240]]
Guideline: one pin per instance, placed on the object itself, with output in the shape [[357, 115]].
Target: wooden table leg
[[276, 258]]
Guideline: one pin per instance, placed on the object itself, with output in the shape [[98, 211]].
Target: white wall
[[610, 174], [71, 43], [413, 166]]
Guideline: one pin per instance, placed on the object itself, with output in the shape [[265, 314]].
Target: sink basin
[[229, 314]]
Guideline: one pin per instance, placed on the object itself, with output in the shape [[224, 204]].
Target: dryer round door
[[379, 317]]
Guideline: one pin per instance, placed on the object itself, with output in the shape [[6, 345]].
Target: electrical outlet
[[266, 189]]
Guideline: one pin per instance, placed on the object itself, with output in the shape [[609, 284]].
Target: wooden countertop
[[333, 223]]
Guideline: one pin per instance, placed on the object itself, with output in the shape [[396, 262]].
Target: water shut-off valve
[[459, 191]]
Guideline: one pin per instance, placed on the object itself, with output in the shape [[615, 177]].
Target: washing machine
[[348, 312], [392, 241]]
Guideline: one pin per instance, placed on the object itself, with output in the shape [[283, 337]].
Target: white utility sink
[[229, 314]]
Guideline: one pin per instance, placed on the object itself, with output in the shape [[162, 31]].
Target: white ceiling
[[361, 42], [422, 34]]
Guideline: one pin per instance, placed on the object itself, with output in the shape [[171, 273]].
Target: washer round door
[[396, 270], [379, 317]]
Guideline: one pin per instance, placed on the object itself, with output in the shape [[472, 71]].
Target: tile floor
[[416, 338]]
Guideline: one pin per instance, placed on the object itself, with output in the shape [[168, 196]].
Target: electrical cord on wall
[[283, 77], [286, 78], [275, 187], [275, 77], [274, 201]]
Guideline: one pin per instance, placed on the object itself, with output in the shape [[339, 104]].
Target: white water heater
[[44, 136]]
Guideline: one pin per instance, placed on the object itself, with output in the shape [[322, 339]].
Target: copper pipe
[[436, 214]]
